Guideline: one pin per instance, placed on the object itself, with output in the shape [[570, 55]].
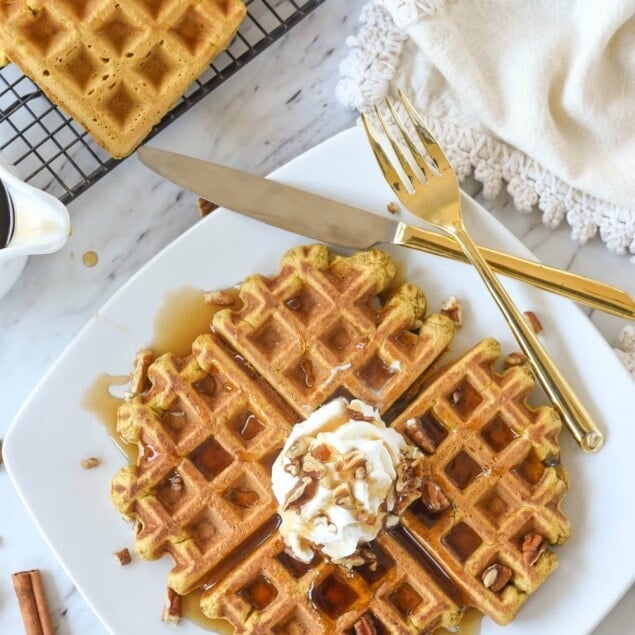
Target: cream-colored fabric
[[540, 94]]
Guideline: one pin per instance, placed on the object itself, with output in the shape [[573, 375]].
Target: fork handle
[[574, 415]]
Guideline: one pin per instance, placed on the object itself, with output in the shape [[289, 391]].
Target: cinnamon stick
[[33, 605]]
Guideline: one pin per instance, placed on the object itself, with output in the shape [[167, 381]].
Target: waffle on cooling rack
[[116, 67], [209, 426]]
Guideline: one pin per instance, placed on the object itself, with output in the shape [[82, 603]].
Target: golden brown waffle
[[510, 487], [319, 328], [497, 462], [493, 483], [116, 67], [208, 430]]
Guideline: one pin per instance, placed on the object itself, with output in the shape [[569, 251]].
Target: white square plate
[[72, 507]]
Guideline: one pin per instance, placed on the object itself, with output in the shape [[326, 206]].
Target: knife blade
[[343, 225]]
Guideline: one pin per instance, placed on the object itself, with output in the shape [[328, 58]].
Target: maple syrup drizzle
[[183, 316]]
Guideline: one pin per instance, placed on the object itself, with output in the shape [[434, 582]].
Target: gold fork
[[436, 200]]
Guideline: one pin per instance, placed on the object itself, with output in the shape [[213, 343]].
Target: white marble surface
[[275, 108]]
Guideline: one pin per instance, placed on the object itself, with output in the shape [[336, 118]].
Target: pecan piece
[[293, 468], [343, 496], [496, 576], [123, 556], [419, 435], [173, 610], [534, 322], [514, 359], [298, 448], [321, 452], [300, 492], [533, 545], [90, 462], [392, 207], [312, 467], [433, 497], [365, 625], [356, 415], [453, 309], [353, 460]]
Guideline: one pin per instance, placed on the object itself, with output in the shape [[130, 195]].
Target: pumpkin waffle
[[328, 325], [491, 504], [116, 67], [494, 479]]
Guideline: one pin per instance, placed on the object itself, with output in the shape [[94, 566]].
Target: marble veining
[[279, 105]]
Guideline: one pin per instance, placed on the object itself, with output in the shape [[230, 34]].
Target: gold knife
[[339, 224]]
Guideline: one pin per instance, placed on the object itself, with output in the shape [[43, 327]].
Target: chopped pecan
[[419, 435], [300, 492], [123, 556], [321, 452], [433, 497], [496, 576], [90, 462], [139, 375], [293, 468], [533, 545], [343, 496], [298, 448], [514, 359], [365, 626], [173, 609], [453, 309], [352, 460], [534, 322], [392, 207], [312, 467], [356, 415]]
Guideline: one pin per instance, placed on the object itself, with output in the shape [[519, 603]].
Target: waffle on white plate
[[208, 427]]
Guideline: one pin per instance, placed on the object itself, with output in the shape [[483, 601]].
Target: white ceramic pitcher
[[40, 225]]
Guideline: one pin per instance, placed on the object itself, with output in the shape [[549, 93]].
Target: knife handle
[[593, 293]]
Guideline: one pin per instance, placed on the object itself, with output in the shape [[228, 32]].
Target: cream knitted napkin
[[540, 94]]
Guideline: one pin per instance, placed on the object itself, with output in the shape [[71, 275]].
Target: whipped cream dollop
[[338, 479]]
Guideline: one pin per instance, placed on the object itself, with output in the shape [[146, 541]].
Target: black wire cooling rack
[[54, 153]]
